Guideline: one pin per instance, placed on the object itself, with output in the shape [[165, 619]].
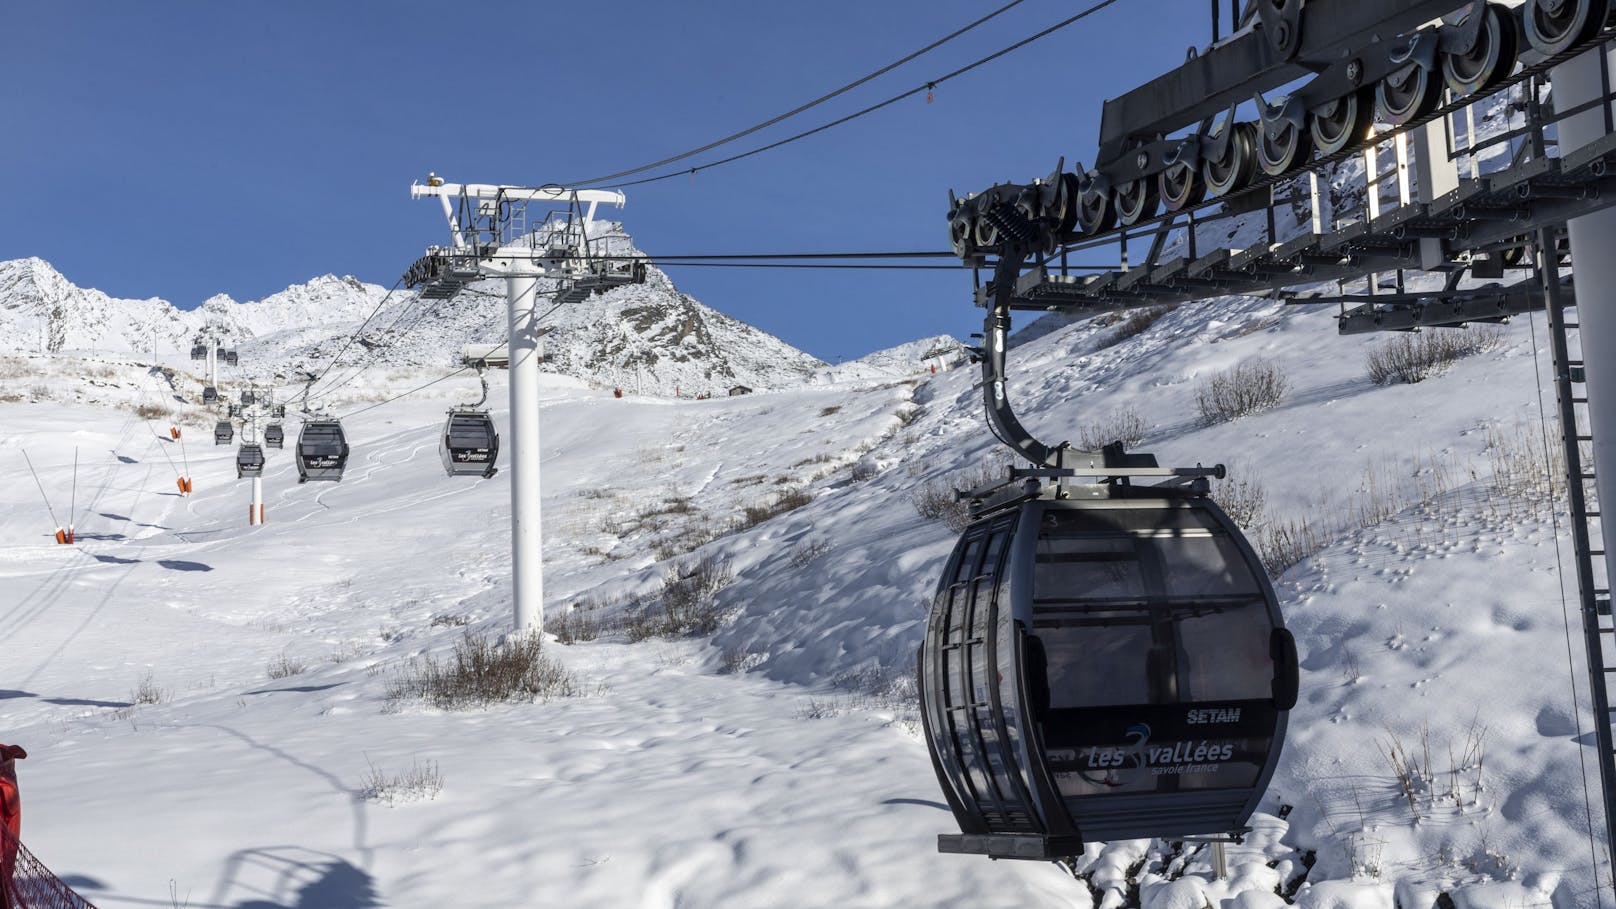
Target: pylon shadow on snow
[[292, 877]]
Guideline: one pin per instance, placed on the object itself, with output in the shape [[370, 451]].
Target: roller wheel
[[1340, 123], [1066, 212], [987, 235], [1553, 27], [1292, 148], [1094, 213], [1180, 187], [1136, 200], [1397, 103], [959, 233], [1490, 61], [1234, 170]]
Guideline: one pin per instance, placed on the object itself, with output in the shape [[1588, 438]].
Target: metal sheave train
[[1175, 142]]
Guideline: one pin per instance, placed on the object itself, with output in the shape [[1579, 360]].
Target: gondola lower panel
[[1102, 669]]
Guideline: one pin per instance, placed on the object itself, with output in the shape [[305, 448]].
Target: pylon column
[[527, 557], [255, 512], [1577, 82]]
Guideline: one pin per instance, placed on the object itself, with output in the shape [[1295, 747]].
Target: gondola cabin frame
[[1102, 661], [322, 451]]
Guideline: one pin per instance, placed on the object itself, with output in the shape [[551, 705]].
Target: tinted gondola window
[[1140, 611]]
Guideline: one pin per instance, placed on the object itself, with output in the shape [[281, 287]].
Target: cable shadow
[[183, 565], [87, 702], [924, 803], [299, 688]]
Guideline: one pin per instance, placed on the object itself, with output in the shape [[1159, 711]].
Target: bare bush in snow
[[1125, 426], [481, 672], [1413, 356], [421, 781], [1251, 387]]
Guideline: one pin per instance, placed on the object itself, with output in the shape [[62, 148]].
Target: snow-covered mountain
[[650, 338]]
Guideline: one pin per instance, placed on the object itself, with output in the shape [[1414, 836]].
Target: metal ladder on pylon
[[1587, 534]]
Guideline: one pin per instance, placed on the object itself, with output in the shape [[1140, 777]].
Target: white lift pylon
[[492, 237]]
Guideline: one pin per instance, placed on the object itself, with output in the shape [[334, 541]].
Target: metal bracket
[[1461, 30], [1420, 51], [1291, 111], [1282, 25], [1216, 145]]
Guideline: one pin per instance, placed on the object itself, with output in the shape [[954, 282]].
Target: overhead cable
[[926, 87], [355, 336], [404, 394], [797, 110]]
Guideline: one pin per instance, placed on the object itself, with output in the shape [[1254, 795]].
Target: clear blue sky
[[185, 148]]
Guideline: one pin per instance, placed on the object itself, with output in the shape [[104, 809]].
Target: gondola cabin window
[[1153, 637]]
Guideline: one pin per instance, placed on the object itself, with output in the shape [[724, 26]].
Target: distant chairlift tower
[[491, 236]]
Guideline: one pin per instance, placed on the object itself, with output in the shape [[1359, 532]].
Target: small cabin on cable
[[470, 444], [223, 432], [322, 451], [249, 460]]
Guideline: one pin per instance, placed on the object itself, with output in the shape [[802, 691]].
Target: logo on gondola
[[1175, 758], [1213, 715]]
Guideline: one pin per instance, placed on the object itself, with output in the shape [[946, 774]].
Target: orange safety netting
[[27, 884]]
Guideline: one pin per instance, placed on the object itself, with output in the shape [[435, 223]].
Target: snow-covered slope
[[773, 761]]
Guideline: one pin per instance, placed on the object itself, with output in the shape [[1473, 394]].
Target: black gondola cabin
[[223, 432], [249, 460], [275, 436], [1107, 666], [470, 444], [322, 451]]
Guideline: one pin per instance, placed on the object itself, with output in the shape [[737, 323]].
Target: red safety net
[[28, 884]]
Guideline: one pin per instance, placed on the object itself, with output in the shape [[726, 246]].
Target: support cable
[[41, 489], [925, 87], [375, 354], [404, 394], [355, 336], [797, 110]]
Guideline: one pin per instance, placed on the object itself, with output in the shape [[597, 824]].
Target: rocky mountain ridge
[[649, 339]]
